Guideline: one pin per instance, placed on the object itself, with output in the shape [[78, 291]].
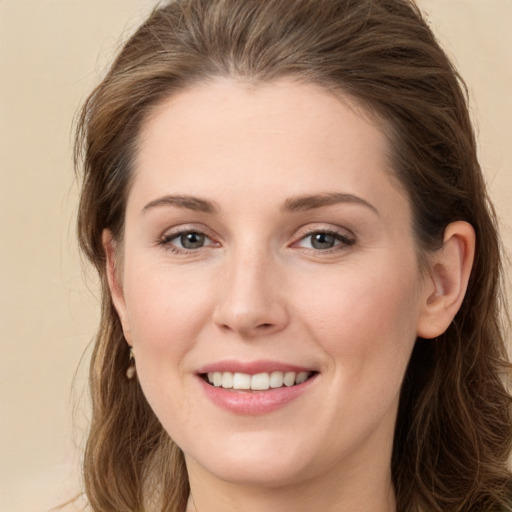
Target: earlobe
[[446, 284], [114, 281]]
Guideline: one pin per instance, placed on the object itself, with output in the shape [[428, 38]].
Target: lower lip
[[255, 402]]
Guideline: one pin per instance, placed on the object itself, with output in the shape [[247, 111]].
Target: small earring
[[130, 372]]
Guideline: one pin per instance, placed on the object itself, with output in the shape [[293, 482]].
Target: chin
[[265, 474], [270, 464]]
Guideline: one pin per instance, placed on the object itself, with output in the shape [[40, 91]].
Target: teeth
[[227, 380], [289, 379], [217, 379], [241, 381], [301, 377], [260, 381], [257, 382], [276, 379]]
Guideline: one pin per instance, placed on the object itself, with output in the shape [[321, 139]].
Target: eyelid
[[310, 229], [178, 229], [343, 235], [170, 234]]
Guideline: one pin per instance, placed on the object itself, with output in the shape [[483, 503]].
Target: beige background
[[51, 53]]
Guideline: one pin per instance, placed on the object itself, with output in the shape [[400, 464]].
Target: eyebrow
[[292, 204], [311, 202], [188, 202]]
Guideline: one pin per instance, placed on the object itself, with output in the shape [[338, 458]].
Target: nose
[[251, 301]]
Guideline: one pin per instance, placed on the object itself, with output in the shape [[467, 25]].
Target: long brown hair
[[454, 430]]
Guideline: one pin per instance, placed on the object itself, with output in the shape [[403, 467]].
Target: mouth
[[255, 387], [264, 381]]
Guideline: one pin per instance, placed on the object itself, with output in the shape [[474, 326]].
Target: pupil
[[322, 241], [192, 240]]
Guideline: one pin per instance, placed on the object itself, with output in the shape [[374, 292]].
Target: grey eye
[[323, 241], [192, 240]]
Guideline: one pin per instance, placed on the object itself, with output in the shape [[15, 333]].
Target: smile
[[257, 382]]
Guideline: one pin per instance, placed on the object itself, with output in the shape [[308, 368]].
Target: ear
[[446, 284], [114, 281]]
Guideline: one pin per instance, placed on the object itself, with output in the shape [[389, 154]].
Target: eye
[[191, 240], [324, 240], [186, 241]]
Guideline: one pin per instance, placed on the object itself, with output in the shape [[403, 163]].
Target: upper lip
[[252, 367]]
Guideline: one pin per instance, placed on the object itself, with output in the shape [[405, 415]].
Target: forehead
[[275, 110], [269, 140]]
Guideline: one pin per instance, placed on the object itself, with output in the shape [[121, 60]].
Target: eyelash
[[166, 240], [344, 241]]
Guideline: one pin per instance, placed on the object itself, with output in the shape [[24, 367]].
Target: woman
[[300, 267]]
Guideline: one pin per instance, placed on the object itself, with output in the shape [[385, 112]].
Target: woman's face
[[265, 235]]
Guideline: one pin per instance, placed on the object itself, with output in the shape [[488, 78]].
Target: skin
[[260, 289]]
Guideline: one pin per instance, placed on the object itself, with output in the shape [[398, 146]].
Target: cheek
[[365, 318], [166, 309], [366, 326], [167, 312]]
